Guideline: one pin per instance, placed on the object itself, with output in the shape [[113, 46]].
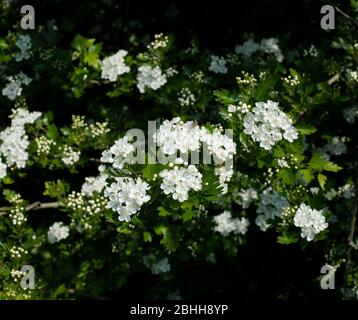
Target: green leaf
[[307, 175], [317, 162], [322, 179], [8, 194], [223, 96], [147, 237], [330, 166], [287, 176], [305, 129], [163, 212], [56, 189], [287, 238]]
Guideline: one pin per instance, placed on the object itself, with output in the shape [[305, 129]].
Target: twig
[[343, 13], [33, 206], [333, 79]]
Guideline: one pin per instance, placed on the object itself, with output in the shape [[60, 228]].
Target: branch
[[33, 206]]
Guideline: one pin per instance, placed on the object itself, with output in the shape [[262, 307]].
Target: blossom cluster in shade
[[226, 224], [114, 66], [150, 77], [270, 207], [57, 232], [13, 88]]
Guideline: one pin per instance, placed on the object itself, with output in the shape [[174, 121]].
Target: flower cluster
[[186, 98], [271, 206], [267, 124], [13, 89], [178, 182], [225, 224], [247, 196], [269, 46], [17, 216], [70, 156], [291, 81], [336, 146], [17, 252], [170, 72], [241, 108], [126, 196], [311, 52], [114, 66], [24, 44], [310, 221], [14, 139], [44, 145], [176, 135], [156, 266], [86, 208], [218, 65], [3, 170], [17, 274], [57, 232], [150, 77], [246, 79], [119, 154], [160, 41], [94, 185], [198, 76], [350, 113]]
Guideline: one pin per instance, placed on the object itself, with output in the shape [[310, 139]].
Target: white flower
[[119, 154], [156, 266], [267, 124], [218, 65], [43, 145], [336, 146], [126, 196], [149, 77], [160, 41], [311, 52], [247, 48], [271, 205], [14, 141], [179, 182], [350, 113], [57, 232], [94, 184], [113, 66], [176, 135], [70, 156], [310, 221], [225, 224], [13, 88], [247, 196], [24, 44], [271, 46], [3, 168], [186, 98]]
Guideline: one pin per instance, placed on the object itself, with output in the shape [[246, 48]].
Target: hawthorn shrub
[[139, 169]]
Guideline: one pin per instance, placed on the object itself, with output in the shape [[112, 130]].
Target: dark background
[[263, 269]]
